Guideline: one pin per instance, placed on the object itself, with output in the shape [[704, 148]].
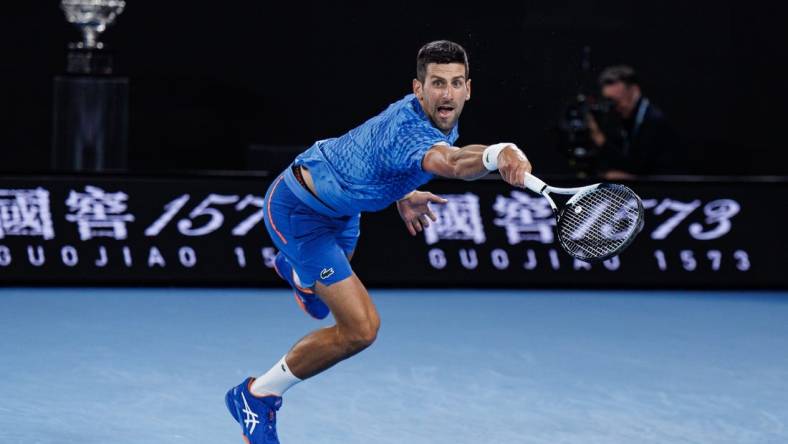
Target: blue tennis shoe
[[256, 415]]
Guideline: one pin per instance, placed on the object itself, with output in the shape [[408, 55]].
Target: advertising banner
[[208, 230]]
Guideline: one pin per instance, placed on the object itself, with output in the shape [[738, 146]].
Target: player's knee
[[365, 336], [362, 335], [371, 329]]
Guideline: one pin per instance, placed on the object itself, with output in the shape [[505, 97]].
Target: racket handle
[[534, 184]]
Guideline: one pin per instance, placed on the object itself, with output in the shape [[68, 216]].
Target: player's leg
[[357, 320], [357, 324], [311, 240], [328, 272], [255, 401]]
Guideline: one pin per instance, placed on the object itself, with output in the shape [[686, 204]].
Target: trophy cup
[[92, 17], [90, 106]]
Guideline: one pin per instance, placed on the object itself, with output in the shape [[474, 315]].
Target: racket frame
[[538, 186]]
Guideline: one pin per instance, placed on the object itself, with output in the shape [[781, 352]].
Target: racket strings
[[597, 225], [600, 222], [608, 214]]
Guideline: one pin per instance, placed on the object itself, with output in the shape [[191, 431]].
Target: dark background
[[210, 78]]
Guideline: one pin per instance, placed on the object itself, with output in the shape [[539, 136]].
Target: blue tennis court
[[152, 366]]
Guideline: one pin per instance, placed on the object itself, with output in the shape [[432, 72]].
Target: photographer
[[642, 142]]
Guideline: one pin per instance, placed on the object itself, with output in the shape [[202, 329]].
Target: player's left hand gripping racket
[[599, 221]]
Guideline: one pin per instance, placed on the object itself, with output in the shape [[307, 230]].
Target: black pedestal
[[90, 116]]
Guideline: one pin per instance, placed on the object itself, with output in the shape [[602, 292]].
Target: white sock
[[275, 381]]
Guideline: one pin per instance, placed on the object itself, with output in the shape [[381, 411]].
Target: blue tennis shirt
[[376, 163]]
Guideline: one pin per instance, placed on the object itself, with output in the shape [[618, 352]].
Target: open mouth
[[444, 111]]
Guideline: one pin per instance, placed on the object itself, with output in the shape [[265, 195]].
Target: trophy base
[[86, 61], [90, 123]]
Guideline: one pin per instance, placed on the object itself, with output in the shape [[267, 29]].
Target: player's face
[[443, 93], [623, 96]]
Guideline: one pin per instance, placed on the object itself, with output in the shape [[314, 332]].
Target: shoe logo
[[251, 417], [326, 273]]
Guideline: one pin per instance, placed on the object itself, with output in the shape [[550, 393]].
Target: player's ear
[[468, 87], [417, 89]]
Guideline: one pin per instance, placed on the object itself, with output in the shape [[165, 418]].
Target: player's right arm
[[466, 163]]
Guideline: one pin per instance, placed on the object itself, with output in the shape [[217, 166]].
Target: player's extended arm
[[467, 163]]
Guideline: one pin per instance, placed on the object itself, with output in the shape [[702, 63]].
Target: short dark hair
[[440, 51], [619, 73]]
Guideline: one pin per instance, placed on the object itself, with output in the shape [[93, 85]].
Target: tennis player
[[312, 213]]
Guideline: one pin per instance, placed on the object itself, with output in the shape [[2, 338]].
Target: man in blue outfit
[[312, 213]]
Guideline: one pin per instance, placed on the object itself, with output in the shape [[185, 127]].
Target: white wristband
[[490, 155]]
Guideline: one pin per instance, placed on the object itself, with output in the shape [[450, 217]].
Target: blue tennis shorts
[[314, 239]]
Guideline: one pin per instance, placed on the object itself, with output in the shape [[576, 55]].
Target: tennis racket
[[599, 221]]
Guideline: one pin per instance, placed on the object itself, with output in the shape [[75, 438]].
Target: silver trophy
[[92, 17]]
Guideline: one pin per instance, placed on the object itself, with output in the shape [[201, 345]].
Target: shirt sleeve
[[413, 142]]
